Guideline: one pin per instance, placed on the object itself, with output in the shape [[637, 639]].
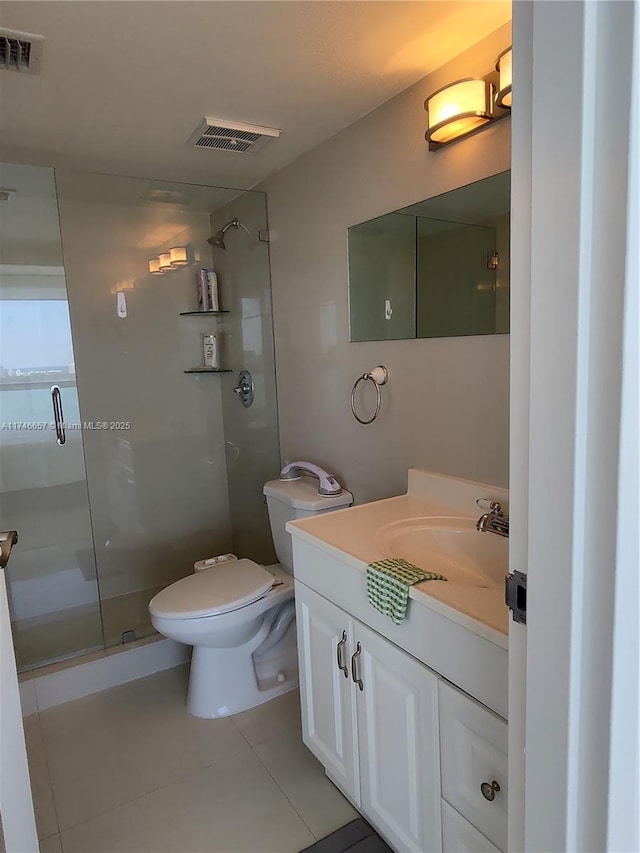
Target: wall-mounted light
[[466, 106], [165, 261], [503, 67], [457, 109], [493, 260], [178, 256], [175, 258]]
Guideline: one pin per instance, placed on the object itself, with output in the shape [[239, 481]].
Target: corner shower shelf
[[192, 313], [209, 370]]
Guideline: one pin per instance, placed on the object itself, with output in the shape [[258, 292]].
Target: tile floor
[[129, 771]]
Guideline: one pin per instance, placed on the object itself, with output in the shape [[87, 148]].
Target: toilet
[[239, 616]]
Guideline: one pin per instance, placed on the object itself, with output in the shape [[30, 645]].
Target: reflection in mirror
[[382, 256], [439, 268]]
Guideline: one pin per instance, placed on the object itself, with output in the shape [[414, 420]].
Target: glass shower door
[[53, 591]]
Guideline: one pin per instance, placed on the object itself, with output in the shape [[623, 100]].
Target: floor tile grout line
[[282, 791], [141, 796], [49, 777], [180, 778]]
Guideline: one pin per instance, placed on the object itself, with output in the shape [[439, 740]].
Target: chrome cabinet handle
[[339, 650], [354, 666], [7, 540], [489, 790], [58, 416]]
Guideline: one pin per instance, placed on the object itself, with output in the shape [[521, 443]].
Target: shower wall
[[158, 480]]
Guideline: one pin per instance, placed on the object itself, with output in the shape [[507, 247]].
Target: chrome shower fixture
[[218, 238]]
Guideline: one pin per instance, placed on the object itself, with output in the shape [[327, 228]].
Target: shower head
[[218, 238]]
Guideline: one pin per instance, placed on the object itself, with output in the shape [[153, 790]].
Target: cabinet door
[[326, 693], [459, 836], [474, 762], [398, 744]]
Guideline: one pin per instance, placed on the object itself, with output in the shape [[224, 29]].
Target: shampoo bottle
[[211, 351], [212, 291]]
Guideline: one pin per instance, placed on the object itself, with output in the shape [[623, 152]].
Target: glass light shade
[[458, 109], [178, 256], [154, 266], [503, 67], [165, 261]]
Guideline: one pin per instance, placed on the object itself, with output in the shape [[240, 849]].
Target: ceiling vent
[[20, 51], [220, 135]]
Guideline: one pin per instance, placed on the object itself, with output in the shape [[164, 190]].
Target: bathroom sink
[[450, 546]]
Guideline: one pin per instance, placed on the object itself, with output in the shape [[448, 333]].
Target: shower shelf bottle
[[208, 293], [211, 351]]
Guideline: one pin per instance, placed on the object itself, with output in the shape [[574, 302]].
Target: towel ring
[[379, 376]]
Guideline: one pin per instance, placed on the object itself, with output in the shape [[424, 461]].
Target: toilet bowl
[[240, 616]]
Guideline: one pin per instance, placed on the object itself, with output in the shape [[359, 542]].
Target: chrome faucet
[[493, 521]]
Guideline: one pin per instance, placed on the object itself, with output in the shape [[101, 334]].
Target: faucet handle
[[493, 506]]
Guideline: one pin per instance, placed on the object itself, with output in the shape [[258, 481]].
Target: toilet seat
[[220, 589]]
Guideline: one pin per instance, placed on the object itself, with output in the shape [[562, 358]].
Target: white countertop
[[350, 534]]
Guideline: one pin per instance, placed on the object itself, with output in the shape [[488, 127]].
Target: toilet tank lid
[[219, 589], [303, 494]]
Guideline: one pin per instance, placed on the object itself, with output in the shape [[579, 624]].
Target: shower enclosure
[[119, 465]]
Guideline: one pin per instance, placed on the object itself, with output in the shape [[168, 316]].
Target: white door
[[397, 702], [574, 426], [16, 806], [325, 646]]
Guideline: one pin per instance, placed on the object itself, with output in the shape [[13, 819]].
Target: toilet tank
[[291, 499]]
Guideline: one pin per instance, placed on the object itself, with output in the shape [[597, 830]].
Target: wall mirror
[[438, 268]]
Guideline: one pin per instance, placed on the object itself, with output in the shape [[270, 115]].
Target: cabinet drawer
[[459, 836], [473, 751]]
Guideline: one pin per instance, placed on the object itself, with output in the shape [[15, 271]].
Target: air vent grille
[[244, 135], [20, 52], [232, 136]]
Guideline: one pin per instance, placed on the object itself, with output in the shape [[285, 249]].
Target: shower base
[[76, 631], [55, 684]]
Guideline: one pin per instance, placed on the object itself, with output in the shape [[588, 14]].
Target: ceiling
[[124, 84]]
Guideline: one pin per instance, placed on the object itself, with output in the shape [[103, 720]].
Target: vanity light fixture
[[165, 261], [178, 256], [175, 258], [457, 109], [503, 67], [468, 105]]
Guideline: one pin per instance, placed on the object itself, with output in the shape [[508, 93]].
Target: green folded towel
[[388, 583]]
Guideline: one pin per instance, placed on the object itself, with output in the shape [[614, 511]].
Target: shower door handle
[[7, 540], [58, 417]]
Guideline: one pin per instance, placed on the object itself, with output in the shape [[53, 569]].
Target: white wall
[[446, 405]]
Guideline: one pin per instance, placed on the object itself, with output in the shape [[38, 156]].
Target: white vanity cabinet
[[409, 720], [373, 727], [325, 635], [425, 763], [459, 836], [473, 749], [397, 721]]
